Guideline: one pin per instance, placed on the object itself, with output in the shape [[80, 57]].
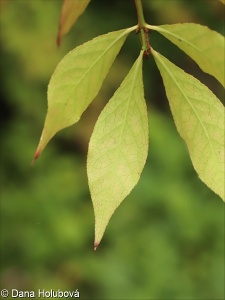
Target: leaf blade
[[77, 80], [118, 148], [71, 10], [203, 45], [199, 118]]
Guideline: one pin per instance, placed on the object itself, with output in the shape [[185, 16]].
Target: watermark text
[[41, 293]]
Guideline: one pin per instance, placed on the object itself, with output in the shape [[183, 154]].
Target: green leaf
[[199, 118], [71, 10], [118, 148], [204, 46], [77, 80]]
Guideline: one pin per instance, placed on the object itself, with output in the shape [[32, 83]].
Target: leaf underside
[[203, 45], [77, 80], [118, 148], [71, 10], [199, 118]]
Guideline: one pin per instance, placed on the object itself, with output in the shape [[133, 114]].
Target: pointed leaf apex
[[37, 154], [96, 244], [71, 10], [58, 39]]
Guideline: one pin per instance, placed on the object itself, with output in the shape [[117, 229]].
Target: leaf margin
[[158, 58], [67, 12], [100, 229], [213, 35], [45, 135]]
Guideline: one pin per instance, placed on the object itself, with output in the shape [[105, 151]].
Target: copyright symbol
[[4, 293]]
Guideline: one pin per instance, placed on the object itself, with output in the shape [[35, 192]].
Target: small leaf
[[77, 80], [199, 118], [71, 10], [204, 46], [118, 148]]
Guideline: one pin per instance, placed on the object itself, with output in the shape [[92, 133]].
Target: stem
[[141, 18], [142, 28]]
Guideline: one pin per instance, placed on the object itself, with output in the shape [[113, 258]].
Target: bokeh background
[[166, 241]]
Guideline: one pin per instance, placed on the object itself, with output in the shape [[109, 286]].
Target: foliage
[[119, 151], [118, 148], [71, 11], [194, 39], [170, 226], [199, 118], [79, 75]]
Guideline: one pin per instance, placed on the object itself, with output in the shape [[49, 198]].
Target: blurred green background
[[166, 241]]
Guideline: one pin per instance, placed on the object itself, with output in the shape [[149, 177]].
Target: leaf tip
[[36, 155], [58, 39], [96, 244]]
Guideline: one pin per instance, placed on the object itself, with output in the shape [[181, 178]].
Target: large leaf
[[204, 46], [77, 80], [71, 10], [199, 118], [118, 148]]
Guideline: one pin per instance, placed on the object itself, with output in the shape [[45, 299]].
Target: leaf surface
[[118, 148], [204, 46], [77, 80], [199, 118], [71, 10]]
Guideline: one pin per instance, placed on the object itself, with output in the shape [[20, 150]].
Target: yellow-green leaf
[[204, 46], [199, 118], [118, 148], [77, 80], [71, 10]]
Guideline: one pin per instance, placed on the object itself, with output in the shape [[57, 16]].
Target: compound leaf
[[204, 46], [199, 118], [71, 10], [118, 148], [77, 80]]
